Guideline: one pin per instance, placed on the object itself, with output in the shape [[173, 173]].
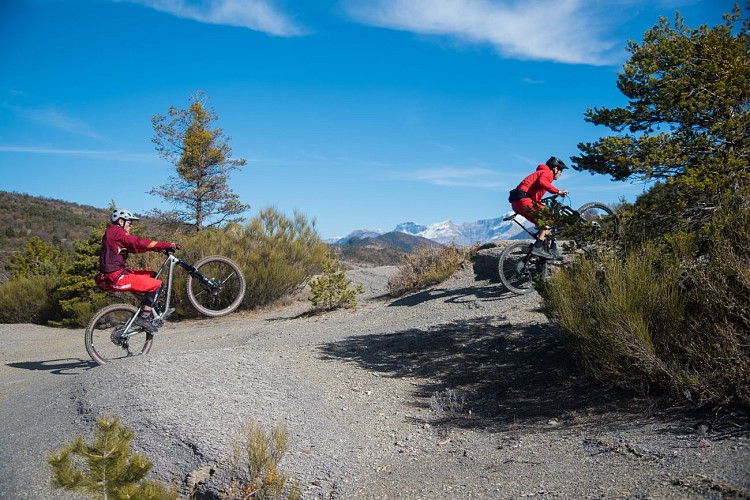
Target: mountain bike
[[592, 225], [215, 287]]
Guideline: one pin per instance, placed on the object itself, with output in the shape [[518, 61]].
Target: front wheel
[[600, 225], [107, 338], [218, 286], [518, 268]]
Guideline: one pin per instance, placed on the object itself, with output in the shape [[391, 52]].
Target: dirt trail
[[461, 390]]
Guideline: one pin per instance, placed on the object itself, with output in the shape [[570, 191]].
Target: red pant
[[138, 281], [526, 207]]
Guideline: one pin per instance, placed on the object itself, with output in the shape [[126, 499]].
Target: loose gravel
[[460, 390]]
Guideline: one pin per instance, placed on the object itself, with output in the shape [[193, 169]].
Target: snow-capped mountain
[[447, 232], [358, 234]]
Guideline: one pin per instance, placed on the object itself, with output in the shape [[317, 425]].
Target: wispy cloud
[[532, 81], [86, 153], [55, 118], [454, 177], [567, 31], [257, 15]]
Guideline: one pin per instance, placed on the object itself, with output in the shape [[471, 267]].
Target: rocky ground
[[461, 390]]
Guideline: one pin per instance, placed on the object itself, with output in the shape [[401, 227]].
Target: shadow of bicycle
[[67, 366]]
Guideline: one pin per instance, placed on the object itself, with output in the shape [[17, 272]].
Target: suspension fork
[[196, 274]]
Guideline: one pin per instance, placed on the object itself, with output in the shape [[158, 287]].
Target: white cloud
[[258, 15], [453, 176], [85, 153], [54, 118], [567, 31]]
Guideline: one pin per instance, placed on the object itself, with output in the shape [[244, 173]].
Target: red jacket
[[117, 243], [539, 183]]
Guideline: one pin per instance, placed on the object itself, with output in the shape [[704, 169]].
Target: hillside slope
[[62, 222]]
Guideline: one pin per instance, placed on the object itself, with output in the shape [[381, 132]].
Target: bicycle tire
[[518, 269], [229, 289], [606, 226], [100, 334]]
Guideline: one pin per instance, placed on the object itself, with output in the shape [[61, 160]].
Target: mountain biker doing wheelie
[[526, 199], [115, 276]]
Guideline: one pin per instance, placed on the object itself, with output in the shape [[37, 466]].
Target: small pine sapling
[[112, 471], [331, 290]]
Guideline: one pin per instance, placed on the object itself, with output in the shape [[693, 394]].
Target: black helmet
[[555, 162]]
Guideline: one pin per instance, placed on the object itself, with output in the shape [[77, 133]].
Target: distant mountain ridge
[[447, 232], [379, 248]]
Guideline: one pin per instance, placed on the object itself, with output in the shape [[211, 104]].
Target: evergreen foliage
[[331, 289], [199, 194], [31, 295], [112, 470], [38, 258], [79, 298], [687, 119], [670, 311], [277, 255]]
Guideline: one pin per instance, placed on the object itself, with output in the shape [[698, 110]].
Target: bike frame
[[547, 202], [170, 260], [169, 263]]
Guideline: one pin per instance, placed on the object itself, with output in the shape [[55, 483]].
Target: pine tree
[[38, 258], [113, 470], [200, 195], [79, 296], [331, 289], [686, 122]]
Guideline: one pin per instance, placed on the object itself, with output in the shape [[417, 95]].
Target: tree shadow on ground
[[507, 375], [68, 366], [487, 292]]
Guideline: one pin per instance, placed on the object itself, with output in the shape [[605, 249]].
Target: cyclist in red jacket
[[115, 276], [526, 198]]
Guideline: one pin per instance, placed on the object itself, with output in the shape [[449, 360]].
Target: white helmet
[[121, 213]]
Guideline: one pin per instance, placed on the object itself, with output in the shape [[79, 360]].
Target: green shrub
[[255, 469], [331, 289], [29, 300], [715, 277], [282, 254], [112, 470], [37, 258], [426, 266], [276, 254], [619, 315], [79, 296], [672, 317]]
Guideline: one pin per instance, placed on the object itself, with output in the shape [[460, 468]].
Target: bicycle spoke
[[221, 291], [518, 268], [106, 338]]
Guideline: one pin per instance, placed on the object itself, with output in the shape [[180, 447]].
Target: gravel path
[[462, 390]]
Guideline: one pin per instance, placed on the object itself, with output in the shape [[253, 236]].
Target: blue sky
[[358, 113]]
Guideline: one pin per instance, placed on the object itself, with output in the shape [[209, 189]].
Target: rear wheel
[[518, 268], [106, 338], [220, 287]]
